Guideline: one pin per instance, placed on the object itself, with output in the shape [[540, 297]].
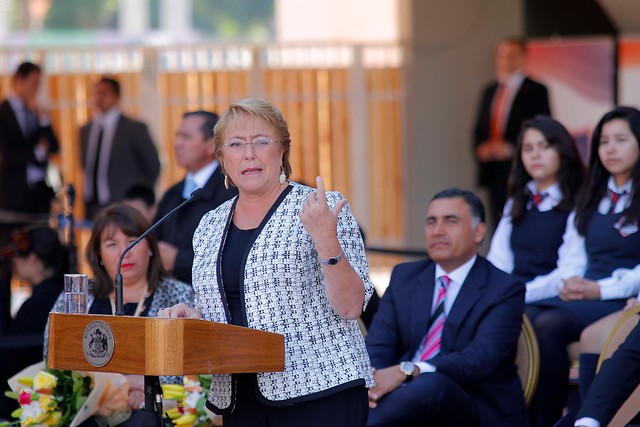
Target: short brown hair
[[133, 224], [263, 110]]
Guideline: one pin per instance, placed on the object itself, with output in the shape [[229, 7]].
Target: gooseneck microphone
[[118, 283]]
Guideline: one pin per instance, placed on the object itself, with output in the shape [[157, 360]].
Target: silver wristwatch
[[333, 260], [407, 368]]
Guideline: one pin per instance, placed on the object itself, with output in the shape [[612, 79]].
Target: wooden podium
[[154, 347]]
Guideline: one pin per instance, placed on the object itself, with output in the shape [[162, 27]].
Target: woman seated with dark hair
[[39, 260], [146, 287]]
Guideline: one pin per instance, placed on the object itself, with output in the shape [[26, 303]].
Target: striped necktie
[[538, 198], [430, 347], [614, 201]]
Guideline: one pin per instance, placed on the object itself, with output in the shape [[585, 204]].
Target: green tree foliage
[[234, 18], [82, 14]]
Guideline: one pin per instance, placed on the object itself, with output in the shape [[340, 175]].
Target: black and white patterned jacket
[[284, 292]]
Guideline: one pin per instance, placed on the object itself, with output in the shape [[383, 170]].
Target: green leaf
[[12, 395]]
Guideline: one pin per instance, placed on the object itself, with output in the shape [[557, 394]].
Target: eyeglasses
[[259, 144]]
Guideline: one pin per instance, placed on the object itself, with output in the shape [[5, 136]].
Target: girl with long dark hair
[[545, 180]]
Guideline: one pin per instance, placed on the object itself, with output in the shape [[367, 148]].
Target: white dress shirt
[[501, 255], [623, 282], [202, 176], [457, 277]]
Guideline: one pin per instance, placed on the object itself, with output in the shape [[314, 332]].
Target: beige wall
[[336, 20], [450, 51]]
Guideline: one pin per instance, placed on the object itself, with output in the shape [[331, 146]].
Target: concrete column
[[133, 17], [358, 136], [450, 57], [176, 16]]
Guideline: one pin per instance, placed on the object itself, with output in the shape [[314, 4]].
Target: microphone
[[70, 232], [71, 196], [118, 283]]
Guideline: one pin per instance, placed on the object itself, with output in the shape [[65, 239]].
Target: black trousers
[[430, 399], [347, 408]]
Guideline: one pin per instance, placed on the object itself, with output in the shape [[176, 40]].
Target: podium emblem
[[98, 343]]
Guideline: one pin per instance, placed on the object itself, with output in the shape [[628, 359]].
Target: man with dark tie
[[26, 142], [195, 151], [504, 105], [117, 151], [443, 341]]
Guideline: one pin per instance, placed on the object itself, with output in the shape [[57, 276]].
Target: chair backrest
[[618, 335], [528, 360]]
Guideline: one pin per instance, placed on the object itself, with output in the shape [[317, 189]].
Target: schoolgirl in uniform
[[600, 266], [546, 178]]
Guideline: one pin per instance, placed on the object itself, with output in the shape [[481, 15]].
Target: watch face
[[332, 261], [407, 368]]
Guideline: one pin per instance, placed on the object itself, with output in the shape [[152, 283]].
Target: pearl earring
[[283, 177]]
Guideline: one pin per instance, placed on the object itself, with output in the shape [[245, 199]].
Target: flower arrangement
[[189, 398], [50, 397]]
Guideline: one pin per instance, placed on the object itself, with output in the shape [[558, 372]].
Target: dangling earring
[[101, 264], [150, 253], [226, 181], [283, 177]]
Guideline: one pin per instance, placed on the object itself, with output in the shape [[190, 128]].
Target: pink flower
[[24, 398]]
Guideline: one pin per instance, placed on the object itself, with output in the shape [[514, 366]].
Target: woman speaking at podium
[[285, 258]]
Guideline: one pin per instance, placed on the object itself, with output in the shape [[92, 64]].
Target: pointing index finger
[[322, 194]]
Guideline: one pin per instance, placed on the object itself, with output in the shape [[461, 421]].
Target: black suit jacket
[[532, 99], [133, 159], [16, 153], [178, 229], [617, 379], [479, 338]]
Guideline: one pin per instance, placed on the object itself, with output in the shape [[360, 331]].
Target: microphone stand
[[152, 389], [70, 229]]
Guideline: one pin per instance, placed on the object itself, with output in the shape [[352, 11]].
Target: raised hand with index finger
[[320, 221]]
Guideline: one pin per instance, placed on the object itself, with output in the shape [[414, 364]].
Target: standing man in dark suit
[[505, 104], [117, 151], [26, 141], [618, 377], [443, 341], [194, 151]]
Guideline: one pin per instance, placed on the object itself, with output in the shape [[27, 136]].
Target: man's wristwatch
[[333, 260], [407, 368]]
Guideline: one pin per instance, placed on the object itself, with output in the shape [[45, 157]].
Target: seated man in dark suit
[[618, 377], [443, 341]]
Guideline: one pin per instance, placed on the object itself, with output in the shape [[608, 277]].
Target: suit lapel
[[13, 121], [514, 111], [421, 302], [468, 296]]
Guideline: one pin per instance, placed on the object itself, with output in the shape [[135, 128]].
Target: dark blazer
[[532, 99], [16, 153], [479, 338], [617, 379], [133, 159], [178, 229]]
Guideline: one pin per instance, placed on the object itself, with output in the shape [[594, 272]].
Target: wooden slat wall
[[385, 154]]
